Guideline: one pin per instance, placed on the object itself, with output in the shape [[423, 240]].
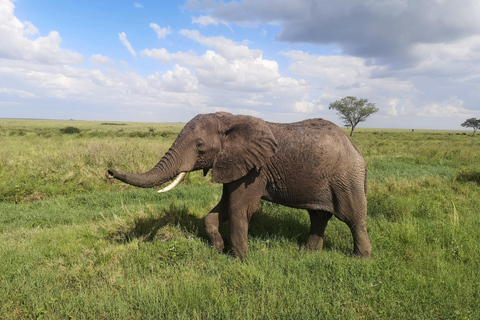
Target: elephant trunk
[[162, 172]]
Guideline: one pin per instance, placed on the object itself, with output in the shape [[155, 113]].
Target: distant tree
[[353, 111], [472, 123]]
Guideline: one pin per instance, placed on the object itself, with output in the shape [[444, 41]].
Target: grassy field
[[74, 245]]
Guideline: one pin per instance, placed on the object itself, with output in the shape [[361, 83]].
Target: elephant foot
[[314, 243], [216, 240], [363, 251], [362, 246], [360, 254]]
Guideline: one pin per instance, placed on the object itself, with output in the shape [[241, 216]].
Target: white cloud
[[458, 58], [231, 66], [330, 71], [161, 55], [161, 32], [225, 47], [177, 80], [252, 74], [138, 5], [392, 107], [205, 21], [16, 45], [98, 59], [15, 92], [123, 38], [340, 76], [230, 71], [308, 107], [452, 108], [108, 87], [30, 29]]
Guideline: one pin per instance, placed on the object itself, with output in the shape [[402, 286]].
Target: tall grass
[[39, 160], [74, 245]]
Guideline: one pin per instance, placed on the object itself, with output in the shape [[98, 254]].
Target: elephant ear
[[248, 144]]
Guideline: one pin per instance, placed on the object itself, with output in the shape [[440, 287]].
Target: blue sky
[[281, 60]]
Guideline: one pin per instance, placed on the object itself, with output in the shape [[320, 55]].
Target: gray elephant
[[310, 165]]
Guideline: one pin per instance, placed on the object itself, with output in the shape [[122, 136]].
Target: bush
[[70, 130]]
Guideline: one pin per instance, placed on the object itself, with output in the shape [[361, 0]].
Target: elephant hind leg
[[351, 208], [318, 221], [361, 243]]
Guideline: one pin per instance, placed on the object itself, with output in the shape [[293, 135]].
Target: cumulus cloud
[[110, 86], [216, 71], [231, 71], [330, 71], [17, 43], [123, 38], [449, 59], [452, 108], [98, 59], [161, 32], [177, 80], [161, 55], [138, 5], [29, 28], [341, 75]]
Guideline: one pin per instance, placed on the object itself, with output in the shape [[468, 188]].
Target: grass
[[75, 245]]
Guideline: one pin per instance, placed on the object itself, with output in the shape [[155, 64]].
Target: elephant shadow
[[266, 223], [273, 221], [148, 226]]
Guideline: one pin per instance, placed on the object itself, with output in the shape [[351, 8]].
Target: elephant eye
[[200, 144]]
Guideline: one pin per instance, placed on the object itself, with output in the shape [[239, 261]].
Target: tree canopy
[[353, 111], [472, 123]]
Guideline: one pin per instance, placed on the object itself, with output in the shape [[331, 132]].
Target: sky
[[280, 60]]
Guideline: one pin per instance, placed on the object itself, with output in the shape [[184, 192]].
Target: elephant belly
[[300, 192]]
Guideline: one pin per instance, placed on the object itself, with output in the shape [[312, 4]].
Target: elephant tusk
[[175, 182]]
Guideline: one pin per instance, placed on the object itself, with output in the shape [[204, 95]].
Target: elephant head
[[230, 145]]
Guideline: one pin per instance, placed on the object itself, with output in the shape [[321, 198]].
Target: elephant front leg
[[239, 236], [214, 219], [318, 222], [244, 199]]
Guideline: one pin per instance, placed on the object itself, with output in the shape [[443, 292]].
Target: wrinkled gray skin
[[310, 165]]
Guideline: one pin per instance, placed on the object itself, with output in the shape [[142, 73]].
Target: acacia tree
[[472, 123], [353, 111]]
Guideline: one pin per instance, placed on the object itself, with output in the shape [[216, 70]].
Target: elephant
[[311, 164]]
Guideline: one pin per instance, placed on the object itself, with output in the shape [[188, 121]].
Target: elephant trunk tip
[[110, 174]]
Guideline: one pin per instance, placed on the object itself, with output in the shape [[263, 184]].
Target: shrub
[[70, 130]]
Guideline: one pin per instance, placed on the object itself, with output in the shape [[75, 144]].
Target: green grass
[[76, 245]]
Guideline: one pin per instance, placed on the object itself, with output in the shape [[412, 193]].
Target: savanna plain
[[76, 245]]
